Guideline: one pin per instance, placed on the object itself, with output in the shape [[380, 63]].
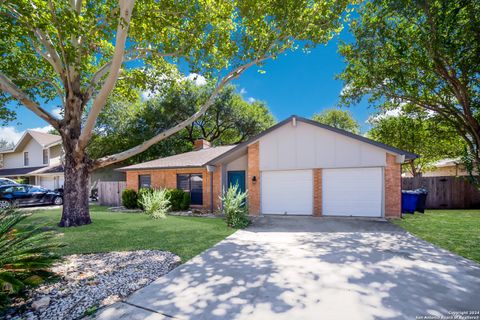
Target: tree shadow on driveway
[[310, 268]]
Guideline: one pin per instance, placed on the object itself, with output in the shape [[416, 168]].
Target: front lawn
[[114, 231], [455, 230]]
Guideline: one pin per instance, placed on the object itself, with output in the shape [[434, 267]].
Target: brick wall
[[167, 178], [217, 188], [317, 192], [393, 188], [253, 171]]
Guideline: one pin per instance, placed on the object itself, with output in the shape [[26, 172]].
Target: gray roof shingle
[[190, 159]]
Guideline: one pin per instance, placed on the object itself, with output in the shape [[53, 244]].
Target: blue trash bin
[[409, 201]]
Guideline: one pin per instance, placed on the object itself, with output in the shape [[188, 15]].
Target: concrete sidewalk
[[311, 268]]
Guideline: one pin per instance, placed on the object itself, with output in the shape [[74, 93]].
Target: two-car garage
[[343, 192]]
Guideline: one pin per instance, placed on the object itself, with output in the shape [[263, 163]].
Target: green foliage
[[4, 144], [424, 53], [175, 196], [25, 254], [341, 119], [140, 195], [416, 131], [185, 204], [129, 199], [234, 207], [156, 203], [229, 120]]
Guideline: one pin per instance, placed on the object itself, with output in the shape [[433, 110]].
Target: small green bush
[[141, 193], [234, 207], [129, 199], [175, 196], [26, 254], [155, 203], [185, 204]]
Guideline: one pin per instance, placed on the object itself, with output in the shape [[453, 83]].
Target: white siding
[[238, 164], [306, 146], [55, 155], [35, 155]]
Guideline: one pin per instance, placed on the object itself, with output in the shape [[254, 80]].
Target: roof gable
[[42, 138], [408, 155]]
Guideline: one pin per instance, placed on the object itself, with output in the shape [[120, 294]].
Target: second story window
[[25, 159], [45, 156]]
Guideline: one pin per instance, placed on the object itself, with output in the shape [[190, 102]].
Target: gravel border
[[192, 213], [90, 281]]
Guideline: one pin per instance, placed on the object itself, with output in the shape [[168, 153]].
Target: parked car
[[27, 195], [6, 181]]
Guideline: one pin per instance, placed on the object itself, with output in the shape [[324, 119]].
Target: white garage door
[[352, 192], [287, 192]]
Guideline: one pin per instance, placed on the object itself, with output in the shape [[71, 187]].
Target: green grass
[[114, 231], [455, 230]]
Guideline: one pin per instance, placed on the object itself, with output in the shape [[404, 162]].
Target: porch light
[[254, 179]]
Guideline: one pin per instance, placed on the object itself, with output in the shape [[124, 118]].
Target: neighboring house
[[444, 168], [297, 167], [37, 156]]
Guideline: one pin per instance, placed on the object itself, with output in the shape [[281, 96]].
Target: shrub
[[25, 256], [185, 204], [175, 196], [129, 199], [234, 207], [141, 193], [155, 203]]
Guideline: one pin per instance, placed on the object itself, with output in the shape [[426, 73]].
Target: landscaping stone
[[91, 281], [41, 303]]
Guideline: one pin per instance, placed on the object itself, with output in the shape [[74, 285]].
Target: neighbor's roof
[[49, 170], [192, 159], [42, 138], [408, 155], [18, 171]]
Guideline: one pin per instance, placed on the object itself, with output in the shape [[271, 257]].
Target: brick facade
[[317, 192], [393, 188], [253, 164], [167, 178]]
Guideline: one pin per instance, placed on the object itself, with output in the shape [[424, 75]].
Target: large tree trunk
[[75, 193], [77, 167]]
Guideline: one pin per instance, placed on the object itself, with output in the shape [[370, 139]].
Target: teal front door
[[237, 177]]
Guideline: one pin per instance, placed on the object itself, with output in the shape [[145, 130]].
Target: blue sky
[[295, 83]]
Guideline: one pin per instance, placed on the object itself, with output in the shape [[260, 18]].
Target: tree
[[230, 120], [341, 119], [418, 132], [425, 53], [83, 51], [4, 144]]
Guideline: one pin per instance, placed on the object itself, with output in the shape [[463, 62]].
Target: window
[[144, 181], [45, 156], [25, 159], [193, 184]]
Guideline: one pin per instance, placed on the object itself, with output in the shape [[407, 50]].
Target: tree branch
[[57, 88], [126, 7], [7, 85], [105, 161]]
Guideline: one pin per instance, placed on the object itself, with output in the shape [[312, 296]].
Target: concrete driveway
[[311, 268]]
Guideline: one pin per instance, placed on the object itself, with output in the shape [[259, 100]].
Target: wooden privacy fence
[[446, 192], [110, 192]]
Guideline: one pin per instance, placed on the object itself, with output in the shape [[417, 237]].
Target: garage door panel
[[352, 192], [289, 192]]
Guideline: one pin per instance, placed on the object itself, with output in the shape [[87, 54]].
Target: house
[[36, 157], [444, 168], [296, 167]]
